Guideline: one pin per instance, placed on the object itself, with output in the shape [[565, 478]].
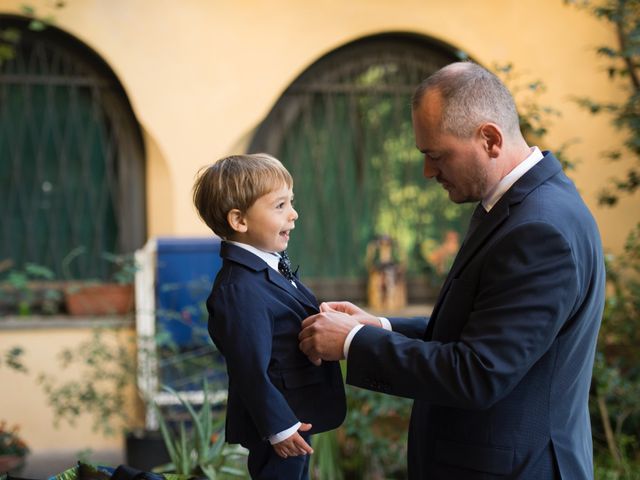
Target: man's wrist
[[347, 341]]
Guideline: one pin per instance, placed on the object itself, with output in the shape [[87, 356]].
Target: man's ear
[[492, 138], [237, 221]]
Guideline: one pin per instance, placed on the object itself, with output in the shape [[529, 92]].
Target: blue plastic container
[[186, 268]]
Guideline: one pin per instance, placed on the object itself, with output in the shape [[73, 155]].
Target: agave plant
[[200, 449]]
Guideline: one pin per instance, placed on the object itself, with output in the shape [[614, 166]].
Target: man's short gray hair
[[471, 96]]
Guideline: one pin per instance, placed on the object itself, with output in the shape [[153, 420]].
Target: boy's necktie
[[284, 265]]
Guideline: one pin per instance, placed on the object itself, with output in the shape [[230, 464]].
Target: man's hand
[[323, 335], [295, 445], [352, 310]]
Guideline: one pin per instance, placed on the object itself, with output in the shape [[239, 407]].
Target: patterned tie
[[284, 265]]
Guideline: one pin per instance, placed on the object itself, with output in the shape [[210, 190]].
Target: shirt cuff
[[386, 324], [347, 341], [283, 435]]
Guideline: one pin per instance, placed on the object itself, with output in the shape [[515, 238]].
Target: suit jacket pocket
[[483, 458], [302, 377]]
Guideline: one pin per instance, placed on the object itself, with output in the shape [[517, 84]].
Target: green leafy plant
[[615, 408], [10, 441], [623, 63], [13, 359], [100, 390], [123, 266], [28, 290], [200, 449]]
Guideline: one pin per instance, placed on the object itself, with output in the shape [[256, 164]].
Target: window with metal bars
[[71, 156], [343, 129]]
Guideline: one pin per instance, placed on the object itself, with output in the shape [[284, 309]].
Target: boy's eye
[[280, 205]]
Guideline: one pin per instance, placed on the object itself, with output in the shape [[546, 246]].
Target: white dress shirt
[[488, 202]]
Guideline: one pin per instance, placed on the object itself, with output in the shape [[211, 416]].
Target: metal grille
[[71, 160], [344, 131]]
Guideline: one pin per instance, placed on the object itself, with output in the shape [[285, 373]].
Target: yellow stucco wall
[[24, 403], [202, 74]]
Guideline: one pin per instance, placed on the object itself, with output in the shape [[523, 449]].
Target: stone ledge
[[35, 322]]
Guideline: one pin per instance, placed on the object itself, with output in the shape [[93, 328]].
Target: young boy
[[277, 397]]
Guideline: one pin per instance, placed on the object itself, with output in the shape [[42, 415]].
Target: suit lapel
[[239, 255], [542, 171], [277, 279]]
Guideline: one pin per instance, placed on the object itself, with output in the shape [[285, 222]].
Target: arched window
[[343, 129], [71, 156]]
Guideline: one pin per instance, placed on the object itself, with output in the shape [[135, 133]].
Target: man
[[500, 373]]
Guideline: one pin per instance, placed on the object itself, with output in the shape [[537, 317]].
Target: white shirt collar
[[271, 258], [512, 177]]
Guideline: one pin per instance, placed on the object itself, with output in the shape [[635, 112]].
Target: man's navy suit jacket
[[255, 317], [501, 372]]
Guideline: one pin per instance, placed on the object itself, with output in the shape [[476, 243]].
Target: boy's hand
[[295, 445]]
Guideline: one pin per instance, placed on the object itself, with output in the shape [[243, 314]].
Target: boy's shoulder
[[238, 264]]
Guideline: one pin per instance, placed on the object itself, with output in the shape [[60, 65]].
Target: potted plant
[[29, 290], [13, 449], [94, 297]]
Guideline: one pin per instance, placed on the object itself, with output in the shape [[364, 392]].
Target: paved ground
[[43, 464]]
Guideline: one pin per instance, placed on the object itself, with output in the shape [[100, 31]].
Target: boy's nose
[[294, 214]]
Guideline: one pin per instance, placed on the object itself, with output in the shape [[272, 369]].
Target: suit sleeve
[[413, 327], [508, 317], [243, 325]]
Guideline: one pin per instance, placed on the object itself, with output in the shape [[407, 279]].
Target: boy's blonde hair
[[235, 182]]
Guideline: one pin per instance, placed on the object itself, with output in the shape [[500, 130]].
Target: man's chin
[[460, 199]]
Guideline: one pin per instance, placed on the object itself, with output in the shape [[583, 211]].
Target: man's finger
[[326, 307], [311, 320], [306, 345]]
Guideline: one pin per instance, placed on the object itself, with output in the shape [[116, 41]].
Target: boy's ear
[[237, 221]]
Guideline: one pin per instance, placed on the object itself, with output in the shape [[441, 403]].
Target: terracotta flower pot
[[99, 299], [11, 463]]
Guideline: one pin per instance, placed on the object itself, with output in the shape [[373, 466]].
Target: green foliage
[[200, 449], [122, 269], [371, 443], [13, 359], [535, 118], [9, 38], [325, 461], [614, 403], [374, 435], [623, 61], [28, 290], [100, 390], [10, 441]]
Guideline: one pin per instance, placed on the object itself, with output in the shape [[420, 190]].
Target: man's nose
[[429, 170]]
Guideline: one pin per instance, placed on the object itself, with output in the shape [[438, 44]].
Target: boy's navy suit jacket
[[255, 317], [501, 373]]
